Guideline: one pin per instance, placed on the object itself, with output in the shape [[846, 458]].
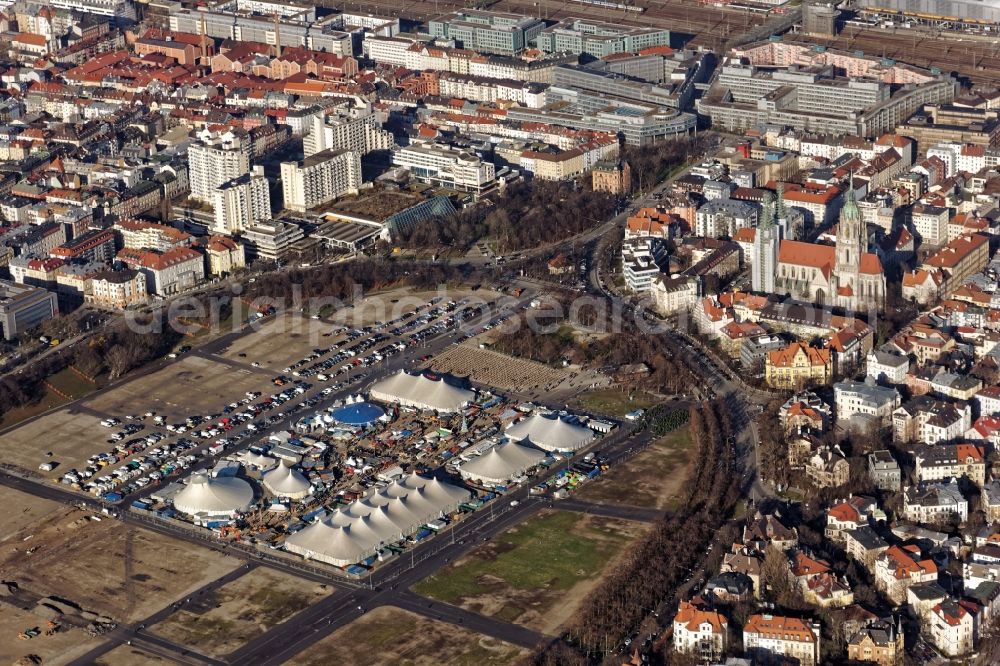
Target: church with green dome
[[844, 275]]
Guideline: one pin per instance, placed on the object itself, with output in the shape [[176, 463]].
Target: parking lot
[[190, 385], [69, 435]]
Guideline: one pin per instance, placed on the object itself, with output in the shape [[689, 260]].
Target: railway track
[[975, 60], [707, 24]]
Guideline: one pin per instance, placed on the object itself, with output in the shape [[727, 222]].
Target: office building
[[486, 31], [320, 178], [270, 240], [23, 307], [791, 85], [281, 24], [599, 39], [446, 166]]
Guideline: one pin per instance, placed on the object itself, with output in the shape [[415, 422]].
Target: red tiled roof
[[779, 627]]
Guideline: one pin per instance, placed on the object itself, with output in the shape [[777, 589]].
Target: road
[[389, 584]]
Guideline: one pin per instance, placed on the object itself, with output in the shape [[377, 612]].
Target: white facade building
[[217, 159], [320, 178], [446, 166], [723, 217], [858, 398], [354, 128], [952, 628], [643, 260], [241, 202], [887, 368]]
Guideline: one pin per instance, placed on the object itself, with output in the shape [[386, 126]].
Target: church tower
[[850, 235], [765, 249]]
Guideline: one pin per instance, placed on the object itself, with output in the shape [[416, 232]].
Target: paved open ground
[[192, 385], [535, 574], [389, 636], [280, 341], [72, 436]]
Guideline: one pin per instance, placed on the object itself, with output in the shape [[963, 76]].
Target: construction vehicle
[[28, 634], [51, 628]]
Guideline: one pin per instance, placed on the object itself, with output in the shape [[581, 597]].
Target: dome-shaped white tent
[[209, 497], [421, 391], [551, 433], [283, 481], [259, 461], [502, 463]]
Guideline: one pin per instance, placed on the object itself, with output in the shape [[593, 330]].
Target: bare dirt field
[[390, 636], [485, 366], [71, 437], [653, 479], [193, 385], [25, 512], [106, 566], [538, 573], [128, 655], [60, 648], [240, 611]]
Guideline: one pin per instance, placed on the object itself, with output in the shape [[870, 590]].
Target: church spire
[[780, 208], [767, 214], [851, 211]]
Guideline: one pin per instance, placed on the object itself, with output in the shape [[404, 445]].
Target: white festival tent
[[551, 432], [501, 463], [259, 461], [364, 526], [207, 496], [421, 391], [283, 481]]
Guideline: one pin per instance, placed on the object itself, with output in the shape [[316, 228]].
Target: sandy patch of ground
[[108, 567], [60, 648], [240, 611], [393, 637], [654, 479], [129, 655]]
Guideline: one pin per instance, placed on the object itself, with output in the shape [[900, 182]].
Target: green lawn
[[71, 384], [614, 402], [552, 551]]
